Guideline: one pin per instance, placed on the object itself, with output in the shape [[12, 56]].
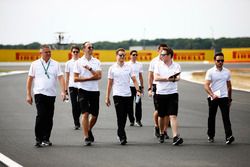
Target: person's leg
[[94, 108], [94, 111], [155, 116], [167, 124], [48, 121], [138, 112], [174, 125], [49, 117], [131, 106], [39, 125], [75, 106], [162, 110], [224, 107], [85, 124], [162, 124], [173, 101], [121, 116], [84, 106], [212, 105]]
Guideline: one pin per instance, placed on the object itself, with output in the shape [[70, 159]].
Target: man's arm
[[62, 86], [66, 80], [108, 91], [209, 90], [136, 85], [96, 75], [157, 77], [229, 89], [141, 81], [150, 82], [28, 90]]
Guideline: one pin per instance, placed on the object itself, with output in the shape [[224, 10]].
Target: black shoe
[[46, 143], [177, 140], [157, 132], [229, 140], [38, 144], [91, 137], [87, 142], [161, 139], [132, 124], [138, 123], [123, 141], [166, 135], [77, 127], [210, 139]]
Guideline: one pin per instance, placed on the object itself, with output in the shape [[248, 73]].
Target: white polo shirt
[[43, 84], [95, 64], [152, 65], [137, 69], [163, 87], [218, 80], [121, 79], [69, 67]]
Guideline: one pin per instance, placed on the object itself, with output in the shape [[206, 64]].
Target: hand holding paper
[[217, 95]]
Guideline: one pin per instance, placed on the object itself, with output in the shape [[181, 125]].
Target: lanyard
[[46, 69]]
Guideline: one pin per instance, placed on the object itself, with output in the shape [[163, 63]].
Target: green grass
[[1, 70]]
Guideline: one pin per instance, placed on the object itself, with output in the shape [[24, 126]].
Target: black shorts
[[89, 101], [155, 97], [168, 104]]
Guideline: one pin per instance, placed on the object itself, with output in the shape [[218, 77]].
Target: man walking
[[44, 72], [137, 69], [87, 71], [72, 85], [219, 89]]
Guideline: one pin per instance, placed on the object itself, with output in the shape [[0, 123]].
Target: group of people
[[126, 81]]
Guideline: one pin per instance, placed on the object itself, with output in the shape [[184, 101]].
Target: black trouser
[[76, 112], [122, 105], [44, 118], [223, 103], [138, 109]]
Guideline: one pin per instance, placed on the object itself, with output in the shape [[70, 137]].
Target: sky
[[27, 21]]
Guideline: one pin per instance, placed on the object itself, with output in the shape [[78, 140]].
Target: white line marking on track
[[8, 162]]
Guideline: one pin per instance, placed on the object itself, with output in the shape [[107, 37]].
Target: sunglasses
[[121, 55], [220, 61], [90, 47], [75, 52], [165, 55], [134, 54]]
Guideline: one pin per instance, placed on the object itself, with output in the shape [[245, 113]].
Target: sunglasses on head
[[220, 61]]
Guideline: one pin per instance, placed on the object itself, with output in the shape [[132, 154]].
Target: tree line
[[179, 43]]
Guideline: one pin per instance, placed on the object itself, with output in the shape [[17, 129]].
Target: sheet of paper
[[217, 93]]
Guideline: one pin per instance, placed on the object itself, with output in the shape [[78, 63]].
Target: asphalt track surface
[[17, 120]]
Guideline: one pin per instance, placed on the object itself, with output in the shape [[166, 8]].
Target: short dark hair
[[218, 54], [169, 51], [119, 49], [132, 51], [44, 46], [162, 45], [83, 45], [74, 47]]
